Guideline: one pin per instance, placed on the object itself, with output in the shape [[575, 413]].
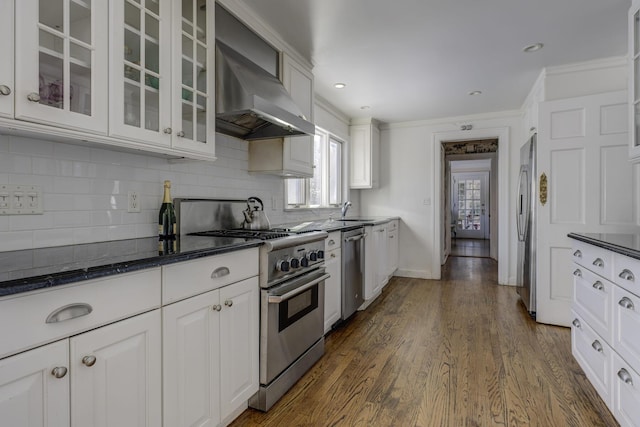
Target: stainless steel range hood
[[252, 104]]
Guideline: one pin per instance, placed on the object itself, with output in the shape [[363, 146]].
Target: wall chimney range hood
[[252, 104]]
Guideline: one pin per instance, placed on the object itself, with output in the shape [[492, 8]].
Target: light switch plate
[[20, 199]]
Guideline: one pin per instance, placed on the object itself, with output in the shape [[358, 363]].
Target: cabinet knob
[[598, 286], [597, 346], [5, 90], [576, 323], [89, 361], [577, 272], [626, 275], [167, 131], [624, 375], [228, 303], [577, 254], [626, 303], [59, 371], [180, 134], [598, 263], [33, 97], [217, 307]]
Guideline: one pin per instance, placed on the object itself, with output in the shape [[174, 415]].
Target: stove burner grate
[[243, 234]]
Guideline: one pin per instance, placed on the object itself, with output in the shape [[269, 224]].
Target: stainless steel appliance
[[526, 226], [352, 270], [291, 279]]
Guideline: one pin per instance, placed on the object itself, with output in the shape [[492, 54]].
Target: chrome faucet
[[345, 208]]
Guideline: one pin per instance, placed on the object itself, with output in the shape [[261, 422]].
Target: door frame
[[503, 196]]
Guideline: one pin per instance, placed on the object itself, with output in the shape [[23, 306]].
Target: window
[[324, 189]]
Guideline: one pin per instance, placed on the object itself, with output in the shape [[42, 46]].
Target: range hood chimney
[[252, 104]]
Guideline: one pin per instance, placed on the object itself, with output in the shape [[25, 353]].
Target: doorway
[[470, 204]]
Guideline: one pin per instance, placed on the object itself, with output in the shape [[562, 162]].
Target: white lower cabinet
[[376, 265], [392, 247], [626, 393], [333, 285], [210, 349]]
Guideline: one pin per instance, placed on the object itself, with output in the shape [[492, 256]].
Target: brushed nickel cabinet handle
[[228, 303], [180, 134], [167, 131], [217, 307], [5, 90], [33, 97], [577, 254], [598, 286], [626, 303], [59, 371], [626, 275], [577, 273], [624, 375], [68, 312], [598, 263], [220, 272], [576, 323], [597, 346], [89, 361], [331, 242]]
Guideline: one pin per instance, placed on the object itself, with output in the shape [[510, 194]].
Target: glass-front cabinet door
[[193, 84], [140, 70], [6, 66], [61, 63], [634, 80]]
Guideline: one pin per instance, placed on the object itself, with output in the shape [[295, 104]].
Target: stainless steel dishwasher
[[352, 270]]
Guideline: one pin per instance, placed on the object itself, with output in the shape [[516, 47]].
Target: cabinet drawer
[[592, 300], [594, 356], [598, 260], [334, 241], [626, 393], [626, 273], [626, 312], [392, 225], [76, 308], [189, 278]]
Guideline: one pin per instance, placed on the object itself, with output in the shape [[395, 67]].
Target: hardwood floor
[[477, 248], [457, 352]]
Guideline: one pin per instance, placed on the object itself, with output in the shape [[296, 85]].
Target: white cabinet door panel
[[626, 393], [123, 386], [333, 289], [30, 395], [626, 311], [6, 67]]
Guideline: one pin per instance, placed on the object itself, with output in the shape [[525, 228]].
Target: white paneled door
[[470, 204], [592, 188]]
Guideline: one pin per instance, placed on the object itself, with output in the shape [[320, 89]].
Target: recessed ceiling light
[[475, 92], [532, 47], [339, 85], [365, 107]]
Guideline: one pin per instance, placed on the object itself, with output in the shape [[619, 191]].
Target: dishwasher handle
[[356, 238]]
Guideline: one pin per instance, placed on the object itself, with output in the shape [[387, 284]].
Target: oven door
[[292, 320]]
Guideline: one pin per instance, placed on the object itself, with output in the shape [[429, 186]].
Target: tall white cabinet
[[333, 285], [7, 87], [365, 155], [634, 80]]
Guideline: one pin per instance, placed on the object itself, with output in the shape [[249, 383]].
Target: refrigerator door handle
[[519, 207]]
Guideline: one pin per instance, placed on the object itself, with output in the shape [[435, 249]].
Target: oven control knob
[[313, 256], [294, 262], [304, 262], [320, 254], [282, 266]]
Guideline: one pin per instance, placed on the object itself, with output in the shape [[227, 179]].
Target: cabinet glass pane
[[152, 110], [187, 73], [636, 120], [80, 89], [132, 104], [636, 79], [201, 23], [201, 71], [80, 21], [132, 16], [636, 33], [51, 14], [132, 73], [152, 5], [131, 47], [152, 55], [187, 119], [201, 119], [187, 10], [51, 81], [152, 27]]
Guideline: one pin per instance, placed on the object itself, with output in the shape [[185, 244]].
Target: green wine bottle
[[167, 215]]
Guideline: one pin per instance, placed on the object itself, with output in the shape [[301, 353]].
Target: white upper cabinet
[[6, 67], [634, 80], [365, 155], [298, 150], [61, 63]]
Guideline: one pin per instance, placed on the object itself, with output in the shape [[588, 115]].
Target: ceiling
[[419, 59]]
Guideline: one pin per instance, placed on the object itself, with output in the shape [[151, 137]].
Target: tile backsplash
[[85, 189]]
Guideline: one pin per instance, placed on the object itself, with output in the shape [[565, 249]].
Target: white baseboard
[[414, 274]]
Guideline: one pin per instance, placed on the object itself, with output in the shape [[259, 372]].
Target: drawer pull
[[627, 275], [597, 346], [576, 323], [624, 375], [228, 303], [68, 312], [217, 307], [577, 254], [598, 286], [220, 272], [59, 371], [626, 303], [5, 90], [89, 361], [598, 263], [331, 242], [577, 272]]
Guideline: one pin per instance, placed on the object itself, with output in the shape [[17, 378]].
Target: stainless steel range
[[292, 276]]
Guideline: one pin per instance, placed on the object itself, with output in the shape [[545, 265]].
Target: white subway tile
[[30, 222], [71, 219], [72, 152], [99, 155], [53, 237], [58, 202], [119, 232], [146, 230], [72, 185], [89, 235], [30, 146], [109, 217], [16, 240], [4, 223]]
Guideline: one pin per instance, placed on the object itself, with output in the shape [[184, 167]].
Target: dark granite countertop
[[625, 244], [330, 225], [32, 269]]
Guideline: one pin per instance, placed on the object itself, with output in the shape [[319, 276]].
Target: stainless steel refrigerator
[[526, 226]]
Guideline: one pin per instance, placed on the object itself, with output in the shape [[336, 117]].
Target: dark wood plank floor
[[457, 352]]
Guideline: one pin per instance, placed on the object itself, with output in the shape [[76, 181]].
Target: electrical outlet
[[133, 204], [20, 200]]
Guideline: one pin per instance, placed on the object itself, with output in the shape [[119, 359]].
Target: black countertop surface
[[32, 269], [625, 244]]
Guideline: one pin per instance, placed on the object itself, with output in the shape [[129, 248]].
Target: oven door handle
[[356, 238], [277, 299]]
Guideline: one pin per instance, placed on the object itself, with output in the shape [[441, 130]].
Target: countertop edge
[[18, 286], [606, 245]]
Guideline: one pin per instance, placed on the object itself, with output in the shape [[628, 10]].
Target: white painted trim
[[457, 121], [413, 274], [503, 190], [598, 64], [537, 87], [331, 109]]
